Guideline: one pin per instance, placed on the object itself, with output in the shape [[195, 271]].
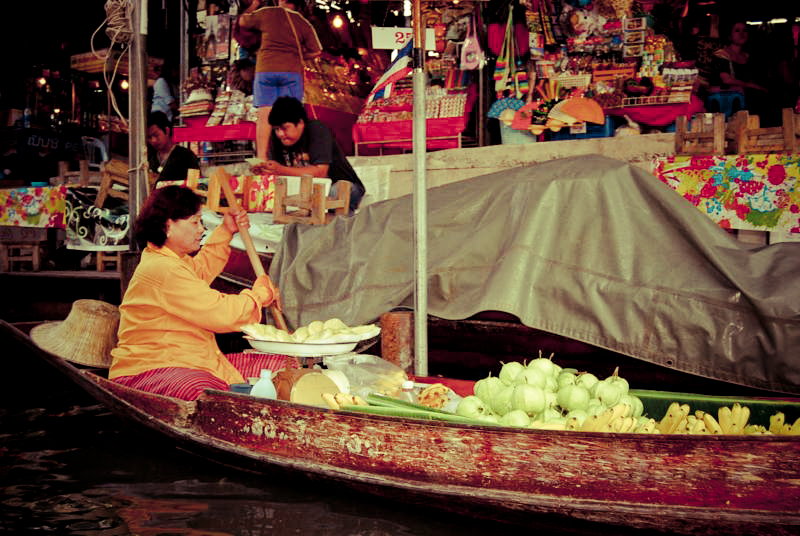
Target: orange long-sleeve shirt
[[169, 313]]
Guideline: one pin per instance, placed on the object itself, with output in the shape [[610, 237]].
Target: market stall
[[607, 51], [218, 119]]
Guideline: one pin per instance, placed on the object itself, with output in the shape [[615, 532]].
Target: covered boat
[[588, 248]]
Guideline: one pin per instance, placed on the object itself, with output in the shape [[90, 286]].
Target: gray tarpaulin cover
[[589, 248]]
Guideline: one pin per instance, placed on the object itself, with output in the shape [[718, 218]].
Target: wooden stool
[[65, 176], [311, 205], [103, 257], [748, 137], [22, 252], [700, 137]]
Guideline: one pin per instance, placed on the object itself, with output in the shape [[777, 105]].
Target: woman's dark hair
[[167, 203]]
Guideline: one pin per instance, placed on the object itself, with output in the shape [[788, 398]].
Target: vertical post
[[137, 149], [420, 197]]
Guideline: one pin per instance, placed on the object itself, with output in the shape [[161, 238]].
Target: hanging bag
[[505, 61], [472, 56]]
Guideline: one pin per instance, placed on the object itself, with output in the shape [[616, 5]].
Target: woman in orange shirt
[[170, 313]]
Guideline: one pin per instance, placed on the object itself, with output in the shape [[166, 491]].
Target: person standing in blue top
[[299, 146], [164, 91]]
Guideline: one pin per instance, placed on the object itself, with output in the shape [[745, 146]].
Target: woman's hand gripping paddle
[[233, 203]]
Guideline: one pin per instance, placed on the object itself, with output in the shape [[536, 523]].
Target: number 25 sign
[[396, 38]]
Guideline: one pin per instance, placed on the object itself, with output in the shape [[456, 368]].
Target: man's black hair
[[160, 120], [287, 110]]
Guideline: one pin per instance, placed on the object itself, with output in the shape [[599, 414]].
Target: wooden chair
[[311, 205], [12, 255], [66, 176], [115, 173], [747, 136], [700, 137]]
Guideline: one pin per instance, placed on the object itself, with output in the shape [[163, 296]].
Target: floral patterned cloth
[[749, 191], [33, 207]]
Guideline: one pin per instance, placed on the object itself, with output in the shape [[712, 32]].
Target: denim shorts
[[267, 87]]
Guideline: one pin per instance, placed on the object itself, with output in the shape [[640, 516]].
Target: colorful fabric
[[33, 207], [169, 313], [750, 191], [188, 384]]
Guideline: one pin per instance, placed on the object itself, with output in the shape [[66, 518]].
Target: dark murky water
[[68, 466]]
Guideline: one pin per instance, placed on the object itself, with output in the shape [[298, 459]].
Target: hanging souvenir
[[472, 57], [505, 61]]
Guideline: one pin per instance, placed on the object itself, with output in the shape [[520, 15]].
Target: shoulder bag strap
[[300, 55]]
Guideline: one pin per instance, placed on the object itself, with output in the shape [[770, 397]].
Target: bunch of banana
[[778, 426], [390, 384], [733, 420], [336, 401], [675, 420], [616, 419]]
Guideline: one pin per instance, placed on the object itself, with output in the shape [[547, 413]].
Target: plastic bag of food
[[368, 374]]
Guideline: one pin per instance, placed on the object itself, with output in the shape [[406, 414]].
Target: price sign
[[397, 38]]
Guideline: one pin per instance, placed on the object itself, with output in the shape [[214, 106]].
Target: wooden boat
[[684, 484]]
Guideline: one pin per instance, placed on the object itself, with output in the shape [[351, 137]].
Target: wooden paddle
[[258, 268]]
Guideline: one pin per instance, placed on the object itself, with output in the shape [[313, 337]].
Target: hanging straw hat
[[86, 336]]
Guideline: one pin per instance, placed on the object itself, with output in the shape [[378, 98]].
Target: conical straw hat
[[86, 336]]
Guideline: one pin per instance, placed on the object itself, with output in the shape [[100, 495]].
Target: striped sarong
[[188, 384]]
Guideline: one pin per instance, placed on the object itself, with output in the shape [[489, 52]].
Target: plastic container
[[264, 388], [407, 392]]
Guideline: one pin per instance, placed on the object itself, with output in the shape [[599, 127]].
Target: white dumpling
[[316, 327], [300, 334], [335, 324], [283, 336]]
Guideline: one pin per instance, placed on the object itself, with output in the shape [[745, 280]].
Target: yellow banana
[[670, 419], [573, 424], [330, 400], [630, 424], [712, 426], [736, 418], [698, 427], [682, 427], [756, 429], [699, 414], [724, 418], [646, 427], [795, 427], [744, 417], [776, 423]]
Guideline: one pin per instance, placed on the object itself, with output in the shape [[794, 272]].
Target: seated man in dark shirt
[[299, 146], [170, 161]]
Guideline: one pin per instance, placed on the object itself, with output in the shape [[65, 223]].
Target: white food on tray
[[332, 331], [301, 349]]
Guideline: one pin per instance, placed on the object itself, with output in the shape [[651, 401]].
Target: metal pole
[[184, 71], [137, 148], [420, 199]]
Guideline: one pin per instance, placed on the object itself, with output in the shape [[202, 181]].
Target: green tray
[[761, 409]]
